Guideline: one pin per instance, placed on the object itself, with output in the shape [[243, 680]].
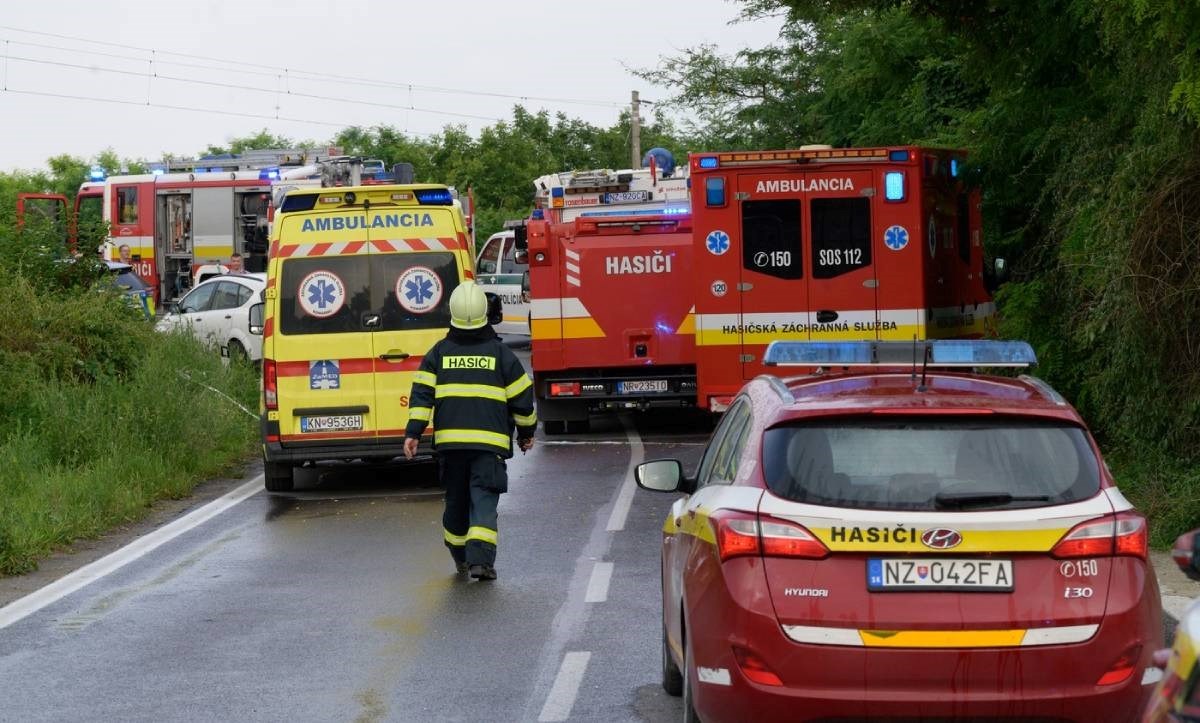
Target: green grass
[[97, 421]]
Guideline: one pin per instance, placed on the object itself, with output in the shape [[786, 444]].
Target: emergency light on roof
[[269, 174], [434, 197], [942, 353], [799, 156], [96, 173], [898, 156], [954, 167], [708, 162]]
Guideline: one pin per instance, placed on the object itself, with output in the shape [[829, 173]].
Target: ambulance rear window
[[926, 464], [841, 236], [376, 292]]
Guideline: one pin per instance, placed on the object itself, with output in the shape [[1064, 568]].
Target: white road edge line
[[566, 687], [597, 589], [60, 588], [637, 454]]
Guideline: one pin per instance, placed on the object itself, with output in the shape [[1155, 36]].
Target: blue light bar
[[893, 185], [434, 197], [708, 162], [954, 167], [941, 353], [269, 174], [96, 173], [897, 155], [556, 192]]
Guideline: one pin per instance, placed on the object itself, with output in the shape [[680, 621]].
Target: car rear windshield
[[919, 464], [376, 292]]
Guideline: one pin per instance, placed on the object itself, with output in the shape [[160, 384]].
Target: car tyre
[[554, 426], [689, 667], [278, 476], [672, 678], [237, 352]]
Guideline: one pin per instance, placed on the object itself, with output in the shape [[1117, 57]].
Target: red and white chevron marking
[[349, 248], [572, 265]]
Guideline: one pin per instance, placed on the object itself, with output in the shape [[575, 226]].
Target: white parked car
[[217, 312], [498, 271]]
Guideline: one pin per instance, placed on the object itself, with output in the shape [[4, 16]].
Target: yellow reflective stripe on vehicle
[[469, 362], [514, 389], [525, 420], [482, 534], [421, 414], [427, 378], [453, 539], [470, 436], [474, 391]]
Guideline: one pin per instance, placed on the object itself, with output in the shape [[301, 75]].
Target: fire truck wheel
[[554, 426], [278, 476]]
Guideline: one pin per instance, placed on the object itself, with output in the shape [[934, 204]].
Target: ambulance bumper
[[325, 450]]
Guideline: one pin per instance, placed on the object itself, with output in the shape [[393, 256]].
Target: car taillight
[[786, 539], [1122, 667], [564, 389], [1120, 534], [736, 532], [741, 533], [754, 667], [270, 384]]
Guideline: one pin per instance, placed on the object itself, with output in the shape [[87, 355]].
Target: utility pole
[[635, 133]]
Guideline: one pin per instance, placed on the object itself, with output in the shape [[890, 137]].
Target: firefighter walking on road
[[474, 390]]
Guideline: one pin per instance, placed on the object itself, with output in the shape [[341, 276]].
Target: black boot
[[483, 572]]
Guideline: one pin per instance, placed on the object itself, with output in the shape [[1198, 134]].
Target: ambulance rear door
[[322, 348], [842, 279], [414, 268]]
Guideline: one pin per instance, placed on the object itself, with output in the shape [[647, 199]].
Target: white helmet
[[468, 306]]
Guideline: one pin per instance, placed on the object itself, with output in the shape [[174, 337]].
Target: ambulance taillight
[[270, 384]]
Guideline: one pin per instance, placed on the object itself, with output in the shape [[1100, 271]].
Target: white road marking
[[637, 453], [566, 687], [60, 588], [597, 589]]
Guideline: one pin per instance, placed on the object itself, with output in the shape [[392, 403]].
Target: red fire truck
[[828, 244], [611, 281]]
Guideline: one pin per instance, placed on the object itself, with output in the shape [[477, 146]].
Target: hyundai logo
[[941, 539]]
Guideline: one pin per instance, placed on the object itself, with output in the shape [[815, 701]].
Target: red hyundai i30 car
[[895, 536]]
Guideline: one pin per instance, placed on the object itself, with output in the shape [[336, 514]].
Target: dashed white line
[[597, 589], [57, 590], [566, 687], [637, 453]]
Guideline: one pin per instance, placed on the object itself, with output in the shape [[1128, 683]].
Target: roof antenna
[[914, 366], [924, 366]]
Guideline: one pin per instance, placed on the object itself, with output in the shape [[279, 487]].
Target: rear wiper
[[983, 499]]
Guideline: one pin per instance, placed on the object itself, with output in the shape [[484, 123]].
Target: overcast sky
[[164, 66]]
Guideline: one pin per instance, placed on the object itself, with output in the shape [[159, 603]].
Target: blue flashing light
[[556, 192], [538, 214], [676, 210], [708, 162], [96, 174], [269, 174], [941, 353], [434, 197], [982, 352], [900, 156], [157, 171], [954, 167], [893, 185], [714, 191]]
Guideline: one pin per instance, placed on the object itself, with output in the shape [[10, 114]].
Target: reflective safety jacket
[[474, 390]]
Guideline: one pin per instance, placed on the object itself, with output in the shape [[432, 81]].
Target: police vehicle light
[[893, 186], [943, 353], [708, 162], [435, 197], [898, 155]]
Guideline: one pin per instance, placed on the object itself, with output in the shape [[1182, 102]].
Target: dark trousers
[[473, 482]]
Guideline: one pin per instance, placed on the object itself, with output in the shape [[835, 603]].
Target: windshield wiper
[[983, 499]]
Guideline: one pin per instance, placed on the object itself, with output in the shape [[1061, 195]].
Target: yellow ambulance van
[[358, 290]]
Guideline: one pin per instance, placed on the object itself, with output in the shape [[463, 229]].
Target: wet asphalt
[[339, 602]]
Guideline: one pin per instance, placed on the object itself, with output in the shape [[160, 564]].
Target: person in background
[[124, 255], [236, 265]]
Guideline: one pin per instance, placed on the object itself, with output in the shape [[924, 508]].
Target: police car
[[893, 537]]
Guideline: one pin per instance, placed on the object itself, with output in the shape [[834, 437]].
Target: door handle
[[229, 316], [394, 356]]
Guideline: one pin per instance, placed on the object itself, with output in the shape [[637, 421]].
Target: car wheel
[[554, 426], [278, 476], [237, 352], [689, 668], [672, 678]]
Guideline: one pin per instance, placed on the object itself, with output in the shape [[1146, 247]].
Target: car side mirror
[[256, 319], [495, 308], [1186, 554], [521, 256], [661, 475], [994, 274], [520, 238]]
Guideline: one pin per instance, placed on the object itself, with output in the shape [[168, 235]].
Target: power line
[[297, 73], [250, 88]]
